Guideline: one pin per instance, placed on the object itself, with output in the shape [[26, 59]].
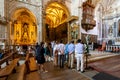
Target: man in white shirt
[[79, 55], [61, 47], [55, 54]]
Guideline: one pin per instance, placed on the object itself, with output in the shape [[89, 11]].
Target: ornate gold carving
[[24, 34]]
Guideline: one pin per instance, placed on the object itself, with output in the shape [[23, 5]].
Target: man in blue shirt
[[66, 52], [71, 49]]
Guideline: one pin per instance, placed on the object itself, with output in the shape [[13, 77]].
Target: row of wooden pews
[[33, 70], [11, 63], [29, 70]]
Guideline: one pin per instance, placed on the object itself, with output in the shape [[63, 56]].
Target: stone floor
[[60, 74], [95, 55], [56, 73], [109, 66], [89, 73]]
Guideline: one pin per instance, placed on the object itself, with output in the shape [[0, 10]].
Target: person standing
[[52, 45], [50, 51], [40, 57], [71, 49], [55, 54], [79, 48], [61, 48], [47, 52], [66, 53], [36, 46]]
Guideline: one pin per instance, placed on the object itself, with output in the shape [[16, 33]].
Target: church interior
[[23, 23]]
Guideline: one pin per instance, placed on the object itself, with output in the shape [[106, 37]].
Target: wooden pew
[[32, 64], [19, 74], [22, 72], [6, 71], [7, 58], [6, 52], [28, 70], [33, 70], [27, 63]]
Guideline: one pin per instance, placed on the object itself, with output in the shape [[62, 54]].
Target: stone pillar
[[68, 33], [39, 22], [43, 29], [10, 26], [80, 18], [39, 33], [8, 33]]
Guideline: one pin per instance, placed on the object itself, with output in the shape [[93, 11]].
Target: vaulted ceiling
[[56, 14], [23, 15], [108, 6]]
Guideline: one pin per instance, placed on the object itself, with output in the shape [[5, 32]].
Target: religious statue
[[74, 32], [87, 43], [87, 39], [110, 31], [25, 34]]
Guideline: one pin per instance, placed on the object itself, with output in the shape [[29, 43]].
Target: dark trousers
[[61, 61], [66, 57]]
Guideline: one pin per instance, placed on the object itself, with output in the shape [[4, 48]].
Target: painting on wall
[[110, 31], [93, 38]]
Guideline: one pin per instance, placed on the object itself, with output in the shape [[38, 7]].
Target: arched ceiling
[[56, 14], [23, 15], [108, 6]]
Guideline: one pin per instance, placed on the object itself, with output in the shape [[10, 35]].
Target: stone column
[[39, 33], [43, 29], [10, 26], [68, 33], [39, 23], [80, 18]]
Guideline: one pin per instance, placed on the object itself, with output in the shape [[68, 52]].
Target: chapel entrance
[[56, 21]]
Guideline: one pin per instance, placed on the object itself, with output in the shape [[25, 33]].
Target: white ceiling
[[108, 6]]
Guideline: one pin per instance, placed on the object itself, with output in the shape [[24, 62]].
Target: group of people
[[61, 54], [69, 53]]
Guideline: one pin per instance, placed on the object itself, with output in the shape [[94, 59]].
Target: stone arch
[[56, 16], [17, 10]]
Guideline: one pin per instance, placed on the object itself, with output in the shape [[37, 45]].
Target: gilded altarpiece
[[24, 34]]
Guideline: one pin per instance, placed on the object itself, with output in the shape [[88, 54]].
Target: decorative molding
[[3, 20]]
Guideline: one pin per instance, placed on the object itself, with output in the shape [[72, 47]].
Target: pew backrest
[[6, 71]]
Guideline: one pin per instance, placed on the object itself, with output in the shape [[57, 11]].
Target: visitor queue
[[69, 54], [62, 55]]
